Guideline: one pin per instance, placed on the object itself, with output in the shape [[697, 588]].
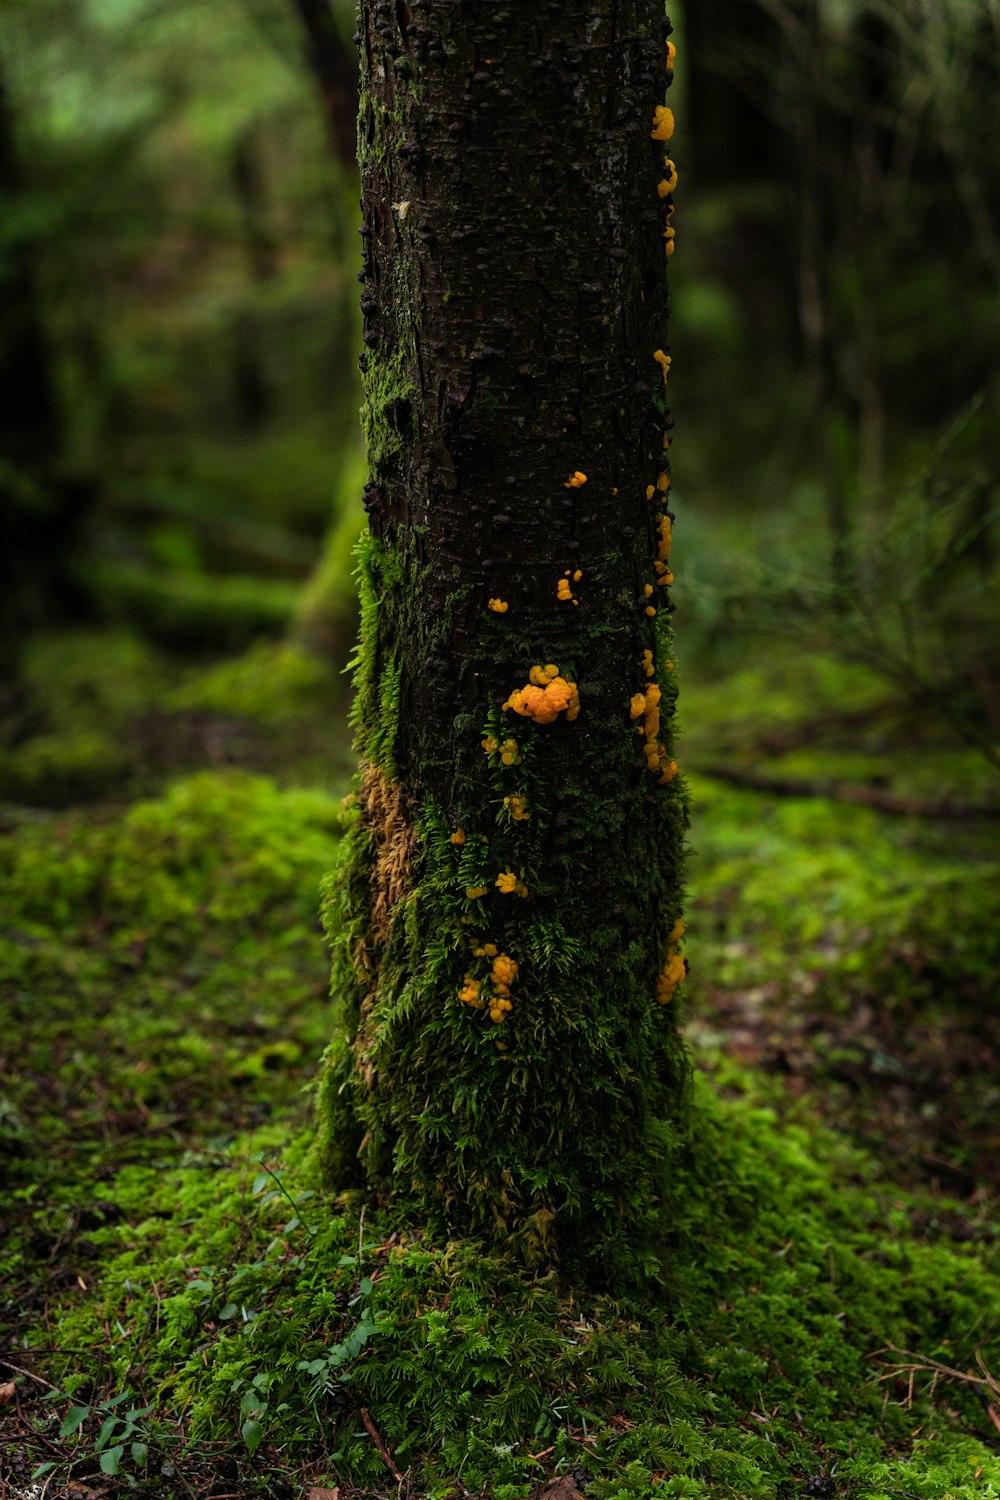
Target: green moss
[[751, 1368], [193, 609], [272, 683], [56, 770]]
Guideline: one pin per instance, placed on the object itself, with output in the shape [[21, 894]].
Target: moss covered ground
[[187, 1314]]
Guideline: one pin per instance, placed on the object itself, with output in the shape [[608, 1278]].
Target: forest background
[[181, 476]]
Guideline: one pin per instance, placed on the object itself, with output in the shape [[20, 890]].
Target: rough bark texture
[[508, 922]]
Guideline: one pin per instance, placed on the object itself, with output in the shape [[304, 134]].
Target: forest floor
[[181, 1318]]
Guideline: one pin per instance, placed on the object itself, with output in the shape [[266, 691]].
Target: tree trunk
[[507, 926]]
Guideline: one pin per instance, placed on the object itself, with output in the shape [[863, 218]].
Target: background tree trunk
[[513, 890]]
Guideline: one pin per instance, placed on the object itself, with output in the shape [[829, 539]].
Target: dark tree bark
[[508, 922]]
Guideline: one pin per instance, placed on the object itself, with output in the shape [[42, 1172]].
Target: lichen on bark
[[507, 921]]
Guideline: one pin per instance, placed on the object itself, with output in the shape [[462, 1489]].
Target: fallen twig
[[379, 1442]]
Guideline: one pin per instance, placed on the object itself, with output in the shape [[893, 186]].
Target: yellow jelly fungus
[[677, 931], [543, 702], [563, 591], [671, 54], [650, 491], [490, 743], [669, 183], [637, 706], [647, 663], [647, 591], [669, 667], [469, 993], [575, 481], [509, 753], [664, 361], [663, 123], [669, 235], [488, 950], [458, 837], [475, 891], [498, 606], [577, 575], [506, 882], [665, 537], [673, 974], [663, 483], [665, 579], [650, 610], [669, 772], [504, 969], [518, 805]]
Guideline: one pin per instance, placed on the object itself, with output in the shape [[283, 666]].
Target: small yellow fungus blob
[[575, 481], [563, 591], [488, 950], [663, 483], [647, 663], [518, 805], [669, 666], [671, 54], [665, 579], [637, 706], [647, 591], [577, 575], [498, 606], [475, 891], [650, 491], [509, 753], [664, 361], [669, 772], [663, 123], [506, 882], [504, 970], [650, 610], [669, 235], [458, 837], [677, 931], [669, 183], [490, 743], [673, 974], [469, 993]]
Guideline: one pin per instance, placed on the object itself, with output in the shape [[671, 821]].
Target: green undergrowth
[[165, 1249], [156, 964], [108, 715], [256, 1314], [894, 908]]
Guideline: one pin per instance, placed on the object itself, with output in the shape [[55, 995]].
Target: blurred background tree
[[180, 445]]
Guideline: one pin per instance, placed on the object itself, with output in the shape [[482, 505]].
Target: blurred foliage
[[183, 236]]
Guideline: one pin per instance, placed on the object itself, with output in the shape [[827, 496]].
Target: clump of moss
[[752, 1371]]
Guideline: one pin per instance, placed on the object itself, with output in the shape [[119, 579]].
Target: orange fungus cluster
[[492, 993], [547, 695], [675, 968]]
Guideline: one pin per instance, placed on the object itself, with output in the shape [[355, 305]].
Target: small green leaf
[[43, 1469], [74, 1420], [228, 1312], [110, 1459], [260, 1182], [365, 1286], [140, 1452], [252, 1433], [107, 1428]]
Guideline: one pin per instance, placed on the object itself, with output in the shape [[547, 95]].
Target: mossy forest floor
[[187, 1315]]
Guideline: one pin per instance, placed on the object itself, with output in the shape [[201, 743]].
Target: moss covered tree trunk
[[508, 921]]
